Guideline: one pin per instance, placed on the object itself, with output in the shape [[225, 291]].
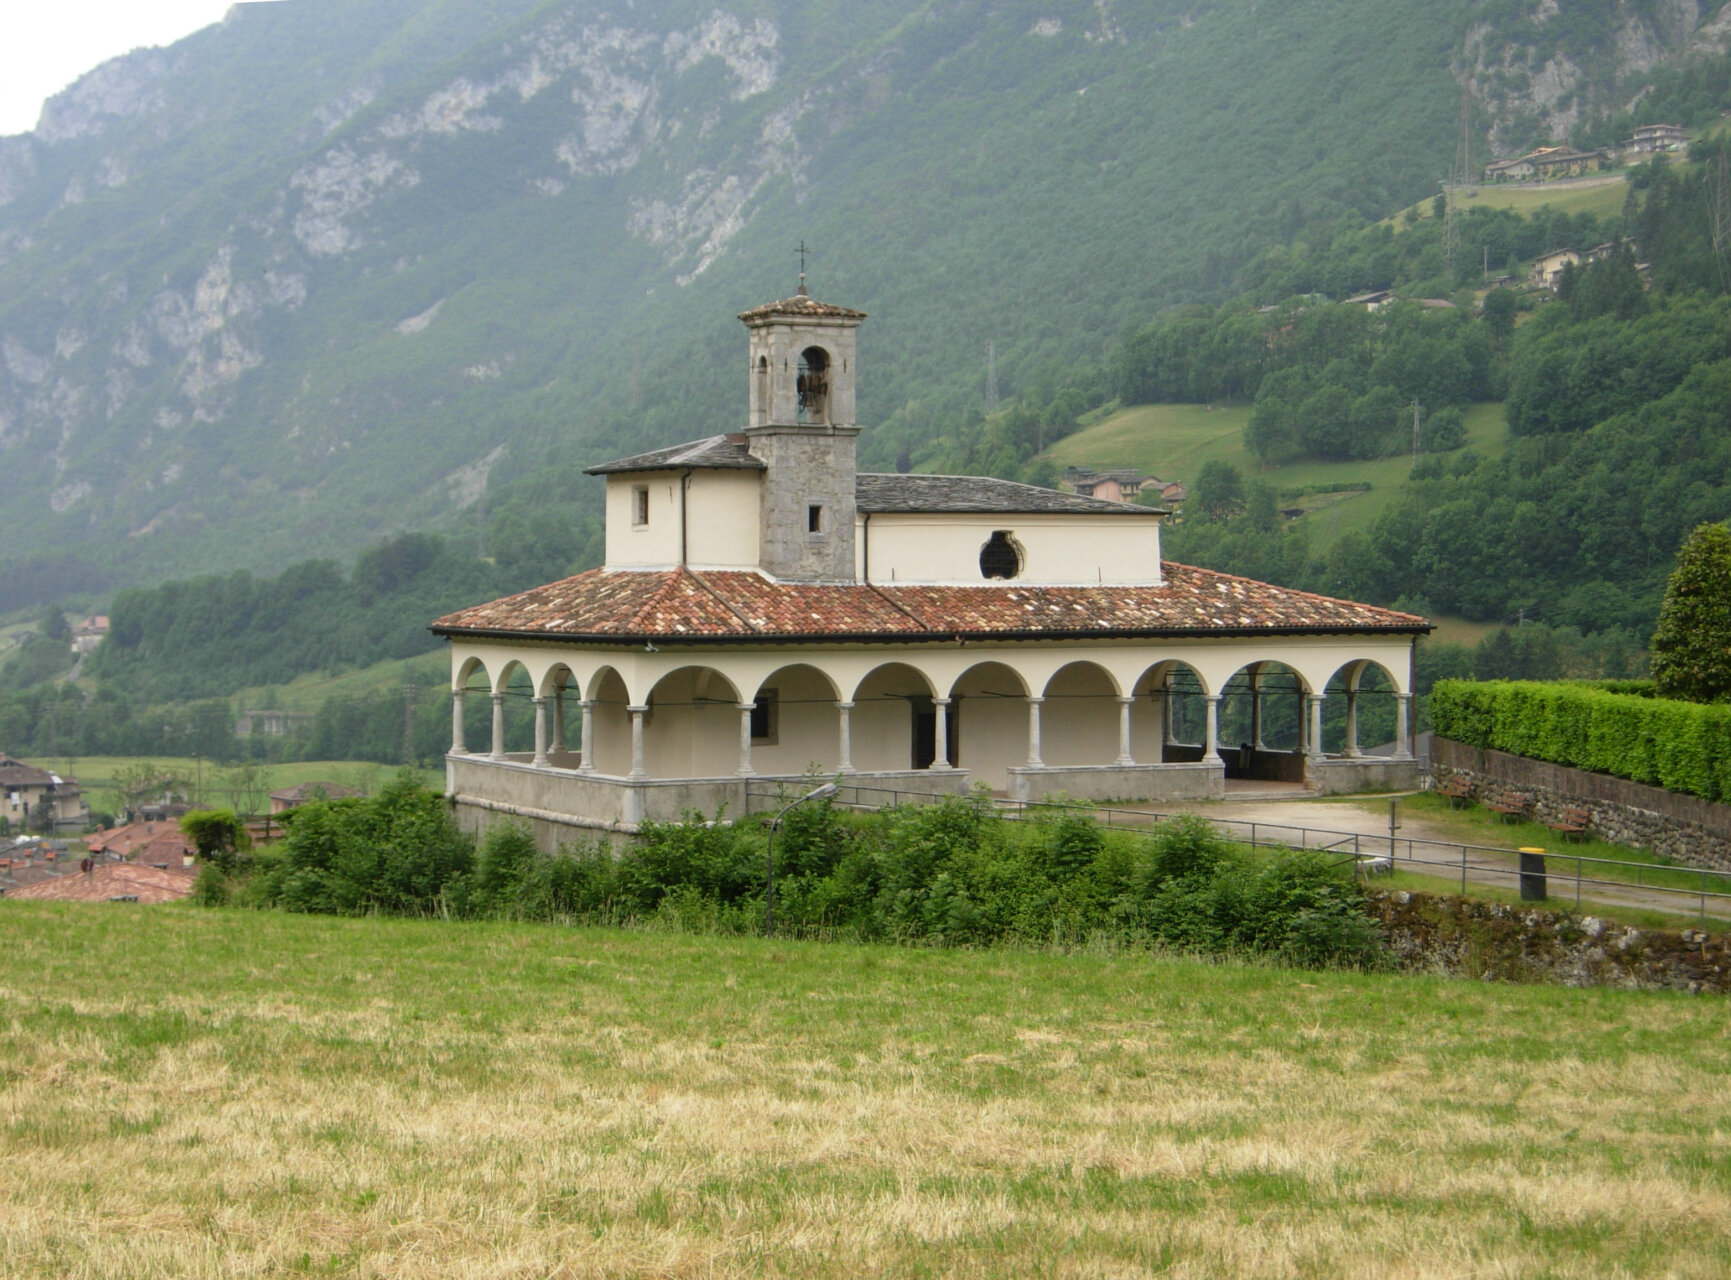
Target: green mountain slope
[[331, 270]]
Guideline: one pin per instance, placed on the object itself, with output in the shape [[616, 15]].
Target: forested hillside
[[333, 270]]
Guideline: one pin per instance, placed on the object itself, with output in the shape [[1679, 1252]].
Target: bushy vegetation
[[1692, 646], [951, 873], [1681, 746]]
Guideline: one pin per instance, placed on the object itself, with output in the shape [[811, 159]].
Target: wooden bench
[[1572, 823], [1512, 805], [1458, 790]]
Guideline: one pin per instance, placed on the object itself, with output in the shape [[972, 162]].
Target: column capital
[[539, 700], [941, 702], [635, 709], [1036, 698], [498, 695], [1126, 699], [745, 706], [844, 706]]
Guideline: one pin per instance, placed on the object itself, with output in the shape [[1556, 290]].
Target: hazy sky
[[47, 44]]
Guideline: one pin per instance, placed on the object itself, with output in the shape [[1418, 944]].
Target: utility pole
[[991, 376], [409, 693]]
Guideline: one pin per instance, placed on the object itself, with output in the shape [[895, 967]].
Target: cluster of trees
[[950, 873]]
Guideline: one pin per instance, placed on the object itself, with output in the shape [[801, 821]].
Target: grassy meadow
[[1174, 441], [196, 1093]]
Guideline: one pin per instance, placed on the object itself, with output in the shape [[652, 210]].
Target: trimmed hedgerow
[[1681, 746]]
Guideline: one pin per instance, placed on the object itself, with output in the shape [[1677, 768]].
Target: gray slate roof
[[877, 492], [921, 493], [714, 453]]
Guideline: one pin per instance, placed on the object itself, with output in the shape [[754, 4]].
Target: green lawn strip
[[308, 692], [426, 1098], [1562, 898], [96, 775]]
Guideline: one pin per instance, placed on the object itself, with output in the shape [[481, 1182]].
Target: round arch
[[1170, 717], [795, 724], [691, 728], [1079, 716], [1262, 722], [465, 672], [1359, 710], [989, 711], [893, 719], [607, 727]]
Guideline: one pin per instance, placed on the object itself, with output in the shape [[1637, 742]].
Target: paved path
[[1418, 842]]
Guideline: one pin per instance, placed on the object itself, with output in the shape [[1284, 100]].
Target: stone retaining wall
[[1686, 829], [1492, 942]]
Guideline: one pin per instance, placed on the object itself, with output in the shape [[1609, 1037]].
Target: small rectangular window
[[640, 505], [814, 518], [764, 717]]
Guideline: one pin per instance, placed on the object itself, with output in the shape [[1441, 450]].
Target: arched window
[[760, 390], [1001, 557], [813, 385]]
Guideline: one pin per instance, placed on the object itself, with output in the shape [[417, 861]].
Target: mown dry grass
[[188, 1093]]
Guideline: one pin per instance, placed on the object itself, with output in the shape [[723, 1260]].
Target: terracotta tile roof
[[142, 841], [677, 604], [801, 304], [712, 453], [922, 493], [114, 880]]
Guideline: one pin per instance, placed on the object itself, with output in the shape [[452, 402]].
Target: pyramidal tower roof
[[801, 306]]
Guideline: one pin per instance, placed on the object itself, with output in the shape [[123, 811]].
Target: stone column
[[457, 746], [941, 748], [1351, 749], [1402, 727], [1256, 710], [637, 714], [843, 710], [1314, 746], [1211, 749], [559, 718], [587, 763], [1034, 761], [745, 710], [1167, 737], [499, 725], [540, 760], [1124, 756]]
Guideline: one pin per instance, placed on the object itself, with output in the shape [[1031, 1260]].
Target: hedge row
[[1681, 746]]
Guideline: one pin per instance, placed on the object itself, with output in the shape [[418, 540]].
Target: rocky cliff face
[[311, 275]]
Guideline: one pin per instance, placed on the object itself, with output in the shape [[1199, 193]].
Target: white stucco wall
[[1073, 550], [721, 520]]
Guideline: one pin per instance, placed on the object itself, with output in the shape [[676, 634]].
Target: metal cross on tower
[[802, 251]]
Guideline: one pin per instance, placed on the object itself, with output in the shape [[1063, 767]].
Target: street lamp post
[[824, 792]]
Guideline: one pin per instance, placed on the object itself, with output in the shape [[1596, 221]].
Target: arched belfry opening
[[813, 385]]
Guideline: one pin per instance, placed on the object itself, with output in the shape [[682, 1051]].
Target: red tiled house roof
[[744, 606], [114, 880]]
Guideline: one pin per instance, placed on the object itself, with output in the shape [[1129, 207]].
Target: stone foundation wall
[[1339, 776], [1690, 831], [1492, 942]]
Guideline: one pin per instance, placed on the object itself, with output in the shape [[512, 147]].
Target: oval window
[[1000, 557]]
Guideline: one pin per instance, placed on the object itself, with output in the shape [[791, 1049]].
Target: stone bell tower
[[802, 428]]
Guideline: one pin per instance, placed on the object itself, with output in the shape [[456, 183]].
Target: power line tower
[[1722, 219], [991, 376], [1460, 176]]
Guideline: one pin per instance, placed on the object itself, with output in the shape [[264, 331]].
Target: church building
[[767, 612]]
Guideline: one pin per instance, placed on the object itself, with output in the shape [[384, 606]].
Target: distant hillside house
[[1649, 138], [1548, 267], [767, 614], [271, 724], [88, 634], [1375, 300], [1514, 169], [293, 797], [23, 788], [1550, 163], [1114, 486]]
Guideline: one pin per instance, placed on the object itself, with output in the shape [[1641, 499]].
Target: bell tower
[[801, 427]]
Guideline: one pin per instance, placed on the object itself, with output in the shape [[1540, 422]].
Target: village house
[[25, 789], [766, 614], [1649, 138], [293, 797], [1375, 300], [153, 843], [1550, 163], [1548, 267], [88, 634], [1513, 169], [1114, 486]]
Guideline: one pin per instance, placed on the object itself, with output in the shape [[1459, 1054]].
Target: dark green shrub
[[1187, 846], [713, 857], [1072, 844]]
